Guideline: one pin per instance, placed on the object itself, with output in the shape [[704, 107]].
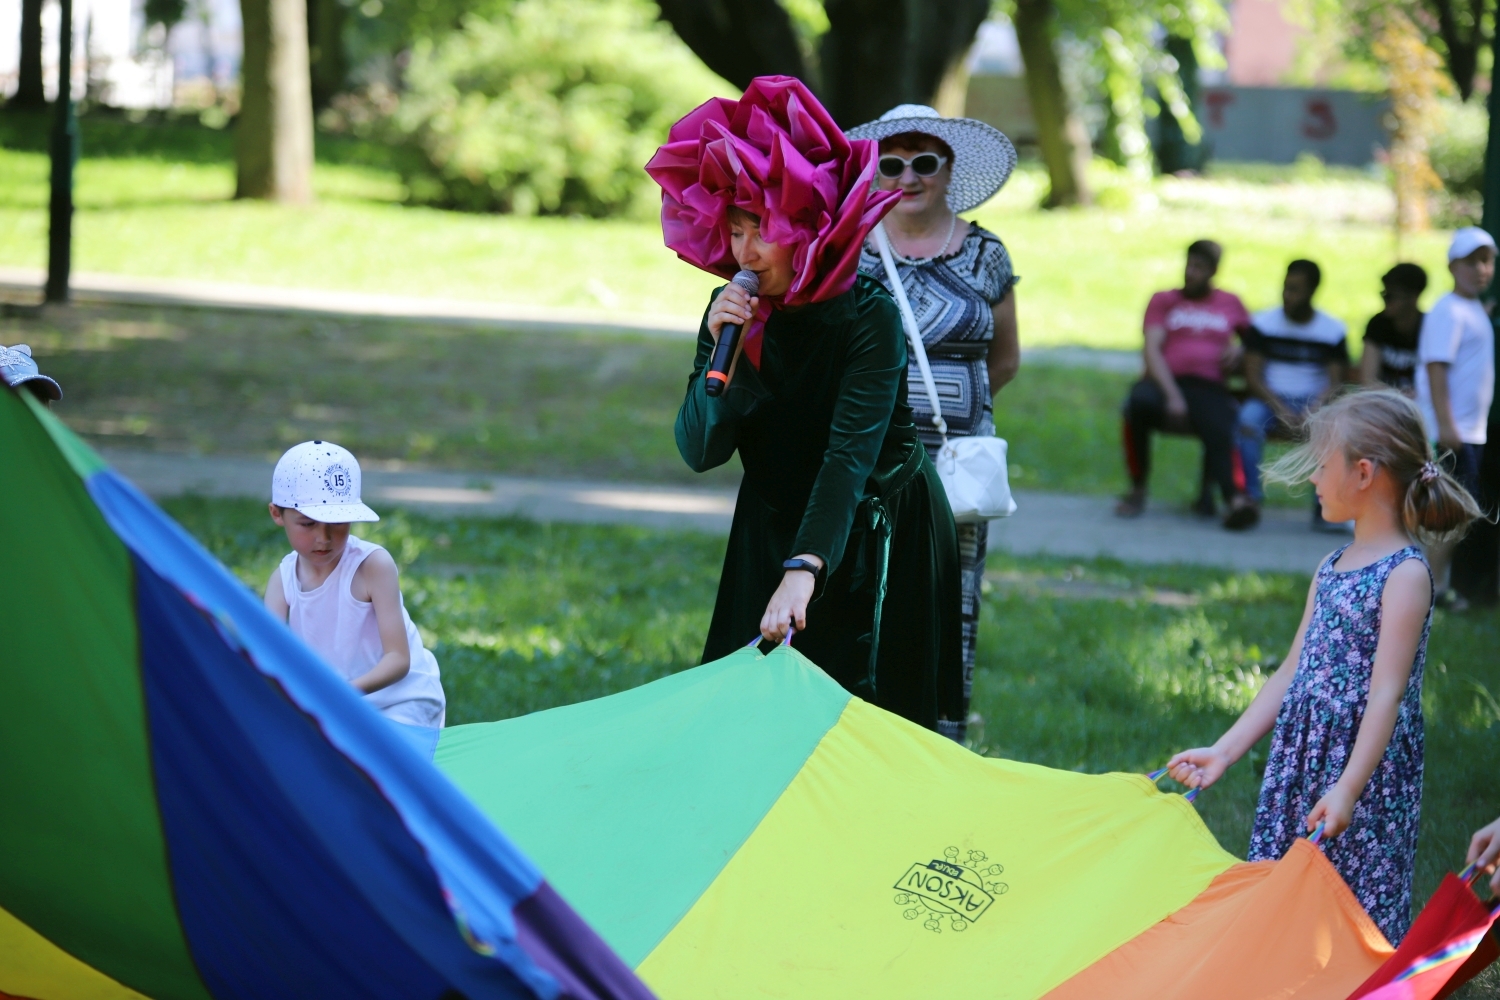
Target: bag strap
[[909, 320]]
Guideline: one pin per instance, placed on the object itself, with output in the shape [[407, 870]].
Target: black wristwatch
[[805, 564]]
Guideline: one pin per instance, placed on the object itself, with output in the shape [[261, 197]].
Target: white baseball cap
[[321, 480], [18, 369], [1467, 240]]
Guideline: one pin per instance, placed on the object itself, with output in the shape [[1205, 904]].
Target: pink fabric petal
[[775, 152]]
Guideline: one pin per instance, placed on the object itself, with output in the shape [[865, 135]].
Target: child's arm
[[378, 581], [1403, 609], [1442, 409], [1484, 849], [275, 597], [1202, 767]]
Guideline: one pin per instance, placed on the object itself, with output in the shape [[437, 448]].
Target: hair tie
[[1430, 471]]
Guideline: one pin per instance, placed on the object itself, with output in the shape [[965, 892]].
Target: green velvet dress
[[833, 467]]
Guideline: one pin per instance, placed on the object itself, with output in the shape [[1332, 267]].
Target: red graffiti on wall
[[1217, 101], [1318, 121]]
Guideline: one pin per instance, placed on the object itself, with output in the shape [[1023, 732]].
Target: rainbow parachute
[[195, 807]]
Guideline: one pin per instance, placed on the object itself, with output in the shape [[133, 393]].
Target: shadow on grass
[[594, 405]]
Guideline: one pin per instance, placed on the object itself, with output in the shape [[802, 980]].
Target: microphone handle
[[720, 360]]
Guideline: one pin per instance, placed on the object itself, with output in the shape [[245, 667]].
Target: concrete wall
[[1263, 124], [1276, 124]]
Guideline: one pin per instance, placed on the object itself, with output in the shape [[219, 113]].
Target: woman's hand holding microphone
[[734, 305]]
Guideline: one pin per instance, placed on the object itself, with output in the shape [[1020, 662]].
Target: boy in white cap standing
[[1456, 370], [342, 595]]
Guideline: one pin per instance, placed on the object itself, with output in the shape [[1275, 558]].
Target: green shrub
[[552, 108], [1456, 150], [1457, 146]]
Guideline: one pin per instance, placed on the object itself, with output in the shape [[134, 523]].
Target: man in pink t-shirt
[[1190, 335]]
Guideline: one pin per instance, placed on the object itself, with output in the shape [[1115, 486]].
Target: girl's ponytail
[[1385, 427], [1437, 508]]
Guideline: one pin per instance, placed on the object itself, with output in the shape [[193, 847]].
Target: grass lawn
[[155, 200], [579, 405], [1093, 667]]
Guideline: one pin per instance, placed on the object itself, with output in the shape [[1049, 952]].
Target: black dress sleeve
[[876, 364], [707, 428]]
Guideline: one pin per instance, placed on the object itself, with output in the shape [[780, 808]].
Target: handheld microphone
[[729, 339]]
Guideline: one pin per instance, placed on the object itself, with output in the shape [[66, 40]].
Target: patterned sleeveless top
[[952, 298], [1314, 736]]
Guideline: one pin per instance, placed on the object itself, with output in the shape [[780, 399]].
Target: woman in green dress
[[842, 533]]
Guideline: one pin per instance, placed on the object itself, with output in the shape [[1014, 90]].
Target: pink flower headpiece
[[777, 154]]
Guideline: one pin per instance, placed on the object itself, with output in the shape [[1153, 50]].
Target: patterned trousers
[[973, 542]]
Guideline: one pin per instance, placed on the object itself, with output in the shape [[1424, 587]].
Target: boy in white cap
[[1456, 371], [342, 595]]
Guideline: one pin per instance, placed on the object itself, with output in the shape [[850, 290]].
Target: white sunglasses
[[923, 165]]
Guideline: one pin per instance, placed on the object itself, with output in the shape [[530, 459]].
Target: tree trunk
[[881, 53], [1060, 133], [1462, 46], [273, 146], [1173, 151], [64, 149], [738, 39], [30, 94], [1491, 217], [952, 97], [876, 54], [325, 45]]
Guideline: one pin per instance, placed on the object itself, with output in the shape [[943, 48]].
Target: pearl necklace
[[916, 261]]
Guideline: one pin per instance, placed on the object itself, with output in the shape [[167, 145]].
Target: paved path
[[1046, 523], [25, 285]]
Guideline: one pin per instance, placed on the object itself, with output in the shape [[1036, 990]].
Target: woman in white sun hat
[[958, 278]]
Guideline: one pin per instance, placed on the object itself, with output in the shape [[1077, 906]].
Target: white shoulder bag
[[972, 468]]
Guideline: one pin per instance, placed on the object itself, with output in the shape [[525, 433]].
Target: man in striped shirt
[[1295, 357]]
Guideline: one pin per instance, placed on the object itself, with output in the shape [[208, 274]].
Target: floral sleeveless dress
[[1314, 736]]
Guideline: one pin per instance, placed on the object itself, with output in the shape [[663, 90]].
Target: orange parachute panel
[[1297, 912]]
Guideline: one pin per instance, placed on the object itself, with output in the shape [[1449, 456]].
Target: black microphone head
[[749, 281]]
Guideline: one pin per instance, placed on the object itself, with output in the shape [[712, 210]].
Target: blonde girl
[[1345, 707]]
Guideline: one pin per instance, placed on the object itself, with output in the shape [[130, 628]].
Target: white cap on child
[[18, 369], [1467, 240], [321, 480]]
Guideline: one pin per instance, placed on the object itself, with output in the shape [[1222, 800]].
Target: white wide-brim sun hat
[[982, 156]]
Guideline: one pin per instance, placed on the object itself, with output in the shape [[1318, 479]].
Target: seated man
[[1295, 357], [1390, 356], [1189, 333]]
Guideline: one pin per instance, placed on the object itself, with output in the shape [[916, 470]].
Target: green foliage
[[550, 107], [1456, 149], [157, 201], [1122, 38], [1457, 146], [164, 12], [1338, 39]]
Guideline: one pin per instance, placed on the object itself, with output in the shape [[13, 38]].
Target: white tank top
[[342, 629]]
